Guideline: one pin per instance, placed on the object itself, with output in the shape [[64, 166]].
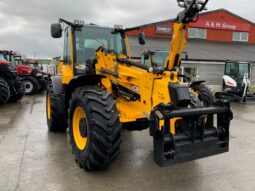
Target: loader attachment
[[202, 132]]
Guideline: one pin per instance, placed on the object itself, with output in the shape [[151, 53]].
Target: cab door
[[68, 57]]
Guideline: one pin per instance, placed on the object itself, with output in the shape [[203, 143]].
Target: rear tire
[[32, 86], [4, 91], [96, 141], [205, 94], [56, 120]]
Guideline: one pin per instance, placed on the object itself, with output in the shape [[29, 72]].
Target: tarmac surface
[[31, 158]]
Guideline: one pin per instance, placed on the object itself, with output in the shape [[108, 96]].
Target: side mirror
[[146, 55], [56, 30], [141, 38]]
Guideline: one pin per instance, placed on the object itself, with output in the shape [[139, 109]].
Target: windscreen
[[90, 38], [244, 70], [237, 71], [231, 69], [12, 59], [159, 58], [2, 56]]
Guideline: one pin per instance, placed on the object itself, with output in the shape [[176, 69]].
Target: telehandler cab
[[101, 90]]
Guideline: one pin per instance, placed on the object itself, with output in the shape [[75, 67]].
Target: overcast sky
[[25, 24]]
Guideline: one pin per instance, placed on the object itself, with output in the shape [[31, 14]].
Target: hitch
[[195, 136]]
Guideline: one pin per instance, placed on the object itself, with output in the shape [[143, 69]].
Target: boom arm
[[181, 26]]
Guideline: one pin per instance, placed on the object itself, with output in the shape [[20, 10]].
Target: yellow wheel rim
[[48, 106], [79, 125]]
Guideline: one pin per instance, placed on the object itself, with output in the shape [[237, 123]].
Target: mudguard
[[56, 82], [196, 83]]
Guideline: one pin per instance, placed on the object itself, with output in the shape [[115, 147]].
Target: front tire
[[4, 91], [94, 127], [204, 94]]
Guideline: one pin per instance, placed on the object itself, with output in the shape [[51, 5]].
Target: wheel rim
[[79, 124], [28, 86], [48, 106]]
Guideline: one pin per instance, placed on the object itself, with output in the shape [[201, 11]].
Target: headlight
[[45, 76], [80, 66], [39, 74]]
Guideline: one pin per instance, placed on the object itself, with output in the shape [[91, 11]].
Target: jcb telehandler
[[101, 90]]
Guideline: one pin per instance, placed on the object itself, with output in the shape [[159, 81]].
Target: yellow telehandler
[[101, 90]]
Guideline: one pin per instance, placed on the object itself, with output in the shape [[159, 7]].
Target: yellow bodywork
[[177, 45], [48, 107], [151, 88], [59, 68], [68, 68]]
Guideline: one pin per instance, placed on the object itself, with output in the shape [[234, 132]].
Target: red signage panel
[[161, 29], [221, 25]]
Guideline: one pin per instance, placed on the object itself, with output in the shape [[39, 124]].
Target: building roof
[[201, 14], [200, 50], [226, 11]]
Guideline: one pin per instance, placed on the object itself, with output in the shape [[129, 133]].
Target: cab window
[[67, 53]]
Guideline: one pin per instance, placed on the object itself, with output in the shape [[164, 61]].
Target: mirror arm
[[66, 22]]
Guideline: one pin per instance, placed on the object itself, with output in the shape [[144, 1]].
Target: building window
[[197, 33], [240, 36]]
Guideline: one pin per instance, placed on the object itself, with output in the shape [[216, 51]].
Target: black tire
[[103, 129], [56, 120], [205, 94], [43, 86], [32, 86], [4, 91], [19, 94]]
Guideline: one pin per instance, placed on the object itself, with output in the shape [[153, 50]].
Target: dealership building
[[216, 37]]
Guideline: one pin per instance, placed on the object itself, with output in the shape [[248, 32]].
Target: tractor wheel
[[56, 120], [32, 86], [19, 94], [43, 86], [204, 94], [4, 91], [94, 127]]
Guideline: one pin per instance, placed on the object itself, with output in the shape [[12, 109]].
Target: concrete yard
[[31, 158]]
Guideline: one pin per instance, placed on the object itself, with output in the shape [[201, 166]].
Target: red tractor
[[11, 86], [34, 79]]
